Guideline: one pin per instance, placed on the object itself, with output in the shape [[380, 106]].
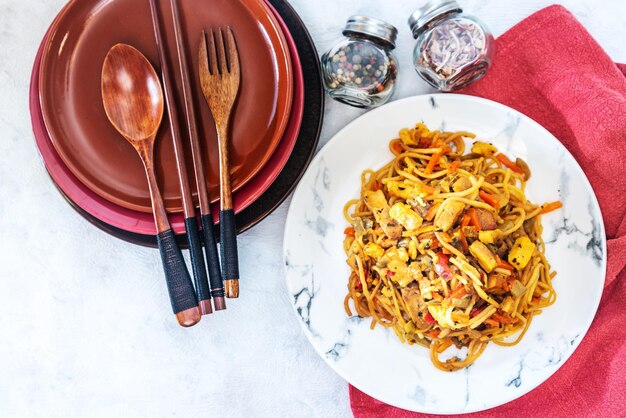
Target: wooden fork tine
[[233, 55], [221, 52], [203, 54], [213, 55]]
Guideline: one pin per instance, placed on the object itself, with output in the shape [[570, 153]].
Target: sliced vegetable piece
[[508, 304], [517, 289], [412, 249], [489, 199], [396, 147], [442, 268], [402, 190], [401, 273], [497, 284], [449, 214], [487, 219], [414, 301], [508, 163], [429, 318], [549, 207], [375, 200], [434, 333], [491, 322], [407, 137], [459, 317], [432, 210], [391, 228], [490, 237], [388, 242], [454, 166], [522, 252], [470, 231], [438, 312], [476, 311], [432, 163], [505, 264], [395, 253], [403, 213], [484, 149], [377, 203], [473, 218], [482, 219], [421, 130], [522, 164], [503, 319], [463, 183], [462, 303], [485, 258], [458, 293], [424, 142], [373, 250], [463, 240], [408, 191]]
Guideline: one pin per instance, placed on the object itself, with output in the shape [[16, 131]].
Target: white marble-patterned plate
[[374, 360]]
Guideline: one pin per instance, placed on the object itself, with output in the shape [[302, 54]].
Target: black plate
[[300, 157]]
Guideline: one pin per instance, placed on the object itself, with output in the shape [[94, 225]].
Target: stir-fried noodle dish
[[445, 248]]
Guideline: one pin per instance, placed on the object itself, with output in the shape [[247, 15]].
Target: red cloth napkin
[[549, 68]]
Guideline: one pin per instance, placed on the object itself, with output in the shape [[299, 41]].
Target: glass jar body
[[453, 52], [360, 72]]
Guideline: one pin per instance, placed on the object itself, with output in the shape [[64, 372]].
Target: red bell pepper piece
[[441, 267]]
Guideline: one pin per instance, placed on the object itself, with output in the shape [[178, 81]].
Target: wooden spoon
[[133, 102]]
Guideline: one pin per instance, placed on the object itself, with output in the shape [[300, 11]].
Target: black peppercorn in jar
[[361, 70], [453, 49]]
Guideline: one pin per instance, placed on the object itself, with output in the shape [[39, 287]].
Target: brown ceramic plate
[[91, 148]]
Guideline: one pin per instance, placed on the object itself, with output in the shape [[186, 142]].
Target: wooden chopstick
[[210, 246], [191, 223]]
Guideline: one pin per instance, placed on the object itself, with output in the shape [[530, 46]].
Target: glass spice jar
[[361, 70], [453, 50]]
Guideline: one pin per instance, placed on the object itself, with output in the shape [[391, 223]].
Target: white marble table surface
[[85, 323]]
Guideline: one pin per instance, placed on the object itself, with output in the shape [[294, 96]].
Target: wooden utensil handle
[[213, 260], [146, 152], [182, 295], [228, 247], [228, 230], [197, 264], [226, 195]]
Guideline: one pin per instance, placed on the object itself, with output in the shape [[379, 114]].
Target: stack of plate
[[276, 124]]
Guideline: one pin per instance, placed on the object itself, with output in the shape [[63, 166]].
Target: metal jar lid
[[372, 27], [431, 10]]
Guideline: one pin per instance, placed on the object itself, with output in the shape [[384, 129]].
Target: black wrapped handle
[[182, 295], [228, 245], [213, 261], [197, 259]]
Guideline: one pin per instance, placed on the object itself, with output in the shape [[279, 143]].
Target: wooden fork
[[220, 78]]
